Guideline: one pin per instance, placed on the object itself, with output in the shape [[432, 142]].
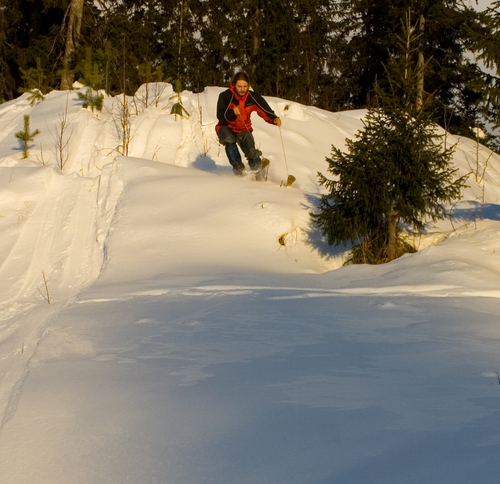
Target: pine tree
[[395, 171], [93, 79], [177, 108], [366, 30], [483, 36], [7, 83], [35, 81], [483, 32], [26, 136]]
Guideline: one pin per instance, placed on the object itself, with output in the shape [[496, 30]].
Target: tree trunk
[[392, 243], [256, 37], [182, 13], [420, 63], [73, 29]]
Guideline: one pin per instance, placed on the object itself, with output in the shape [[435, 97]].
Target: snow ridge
[[69, 222]]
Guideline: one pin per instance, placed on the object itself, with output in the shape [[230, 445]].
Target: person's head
[[241, 83]]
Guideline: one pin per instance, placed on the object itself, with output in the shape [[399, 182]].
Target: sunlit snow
[[163, 321]]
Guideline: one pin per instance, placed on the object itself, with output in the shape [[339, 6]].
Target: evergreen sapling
[[177, 108], [26, 136], [34, 78], [92, 79]]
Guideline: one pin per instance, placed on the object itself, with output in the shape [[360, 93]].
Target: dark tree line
[[326, 53]]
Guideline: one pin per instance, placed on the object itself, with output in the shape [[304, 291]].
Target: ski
[[261, 173]]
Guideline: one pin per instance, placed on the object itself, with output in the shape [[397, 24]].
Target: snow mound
[[177, 313]]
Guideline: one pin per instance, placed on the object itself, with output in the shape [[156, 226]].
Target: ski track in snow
[[70, 222], [69, 218]]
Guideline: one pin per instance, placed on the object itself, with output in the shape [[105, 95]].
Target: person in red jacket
[[234, 107]]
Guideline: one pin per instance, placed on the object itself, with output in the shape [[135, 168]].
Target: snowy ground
[[184, 343]]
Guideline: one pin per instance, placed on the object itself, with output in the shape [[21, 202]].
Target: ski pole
[[290, 178]]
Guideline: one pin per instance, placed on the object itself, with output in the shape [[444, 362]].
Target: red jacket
[[248, 103]]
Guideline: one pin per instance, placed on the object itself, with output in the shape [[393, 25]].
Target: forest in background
[[325, 53]]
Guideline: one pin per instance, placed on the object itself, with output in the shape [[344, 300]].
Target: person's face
[[241, 87]]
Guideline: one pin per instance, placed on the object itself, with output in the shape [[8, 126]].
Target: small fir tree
[[34, 78], [93, 79], [395, 171], [178, 108], [26, 136]]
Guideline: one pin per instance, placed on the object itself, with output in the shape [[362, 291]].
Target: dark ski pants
[[246, 142]]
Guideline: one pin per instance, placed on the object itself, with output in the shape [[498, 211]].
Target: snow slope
[[163, 321]]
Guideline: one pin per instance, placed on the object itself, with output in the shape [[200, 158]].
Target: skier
[[234, 107]]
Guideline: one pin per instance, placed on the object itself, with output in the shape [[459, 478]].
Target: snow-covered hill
[[163, 321]]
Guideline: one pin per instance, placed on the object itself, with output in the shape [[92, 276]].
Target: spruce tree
[[34, 79], [395, 171], [366, 30], [483, 37], [93, 79], [26, 135]]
